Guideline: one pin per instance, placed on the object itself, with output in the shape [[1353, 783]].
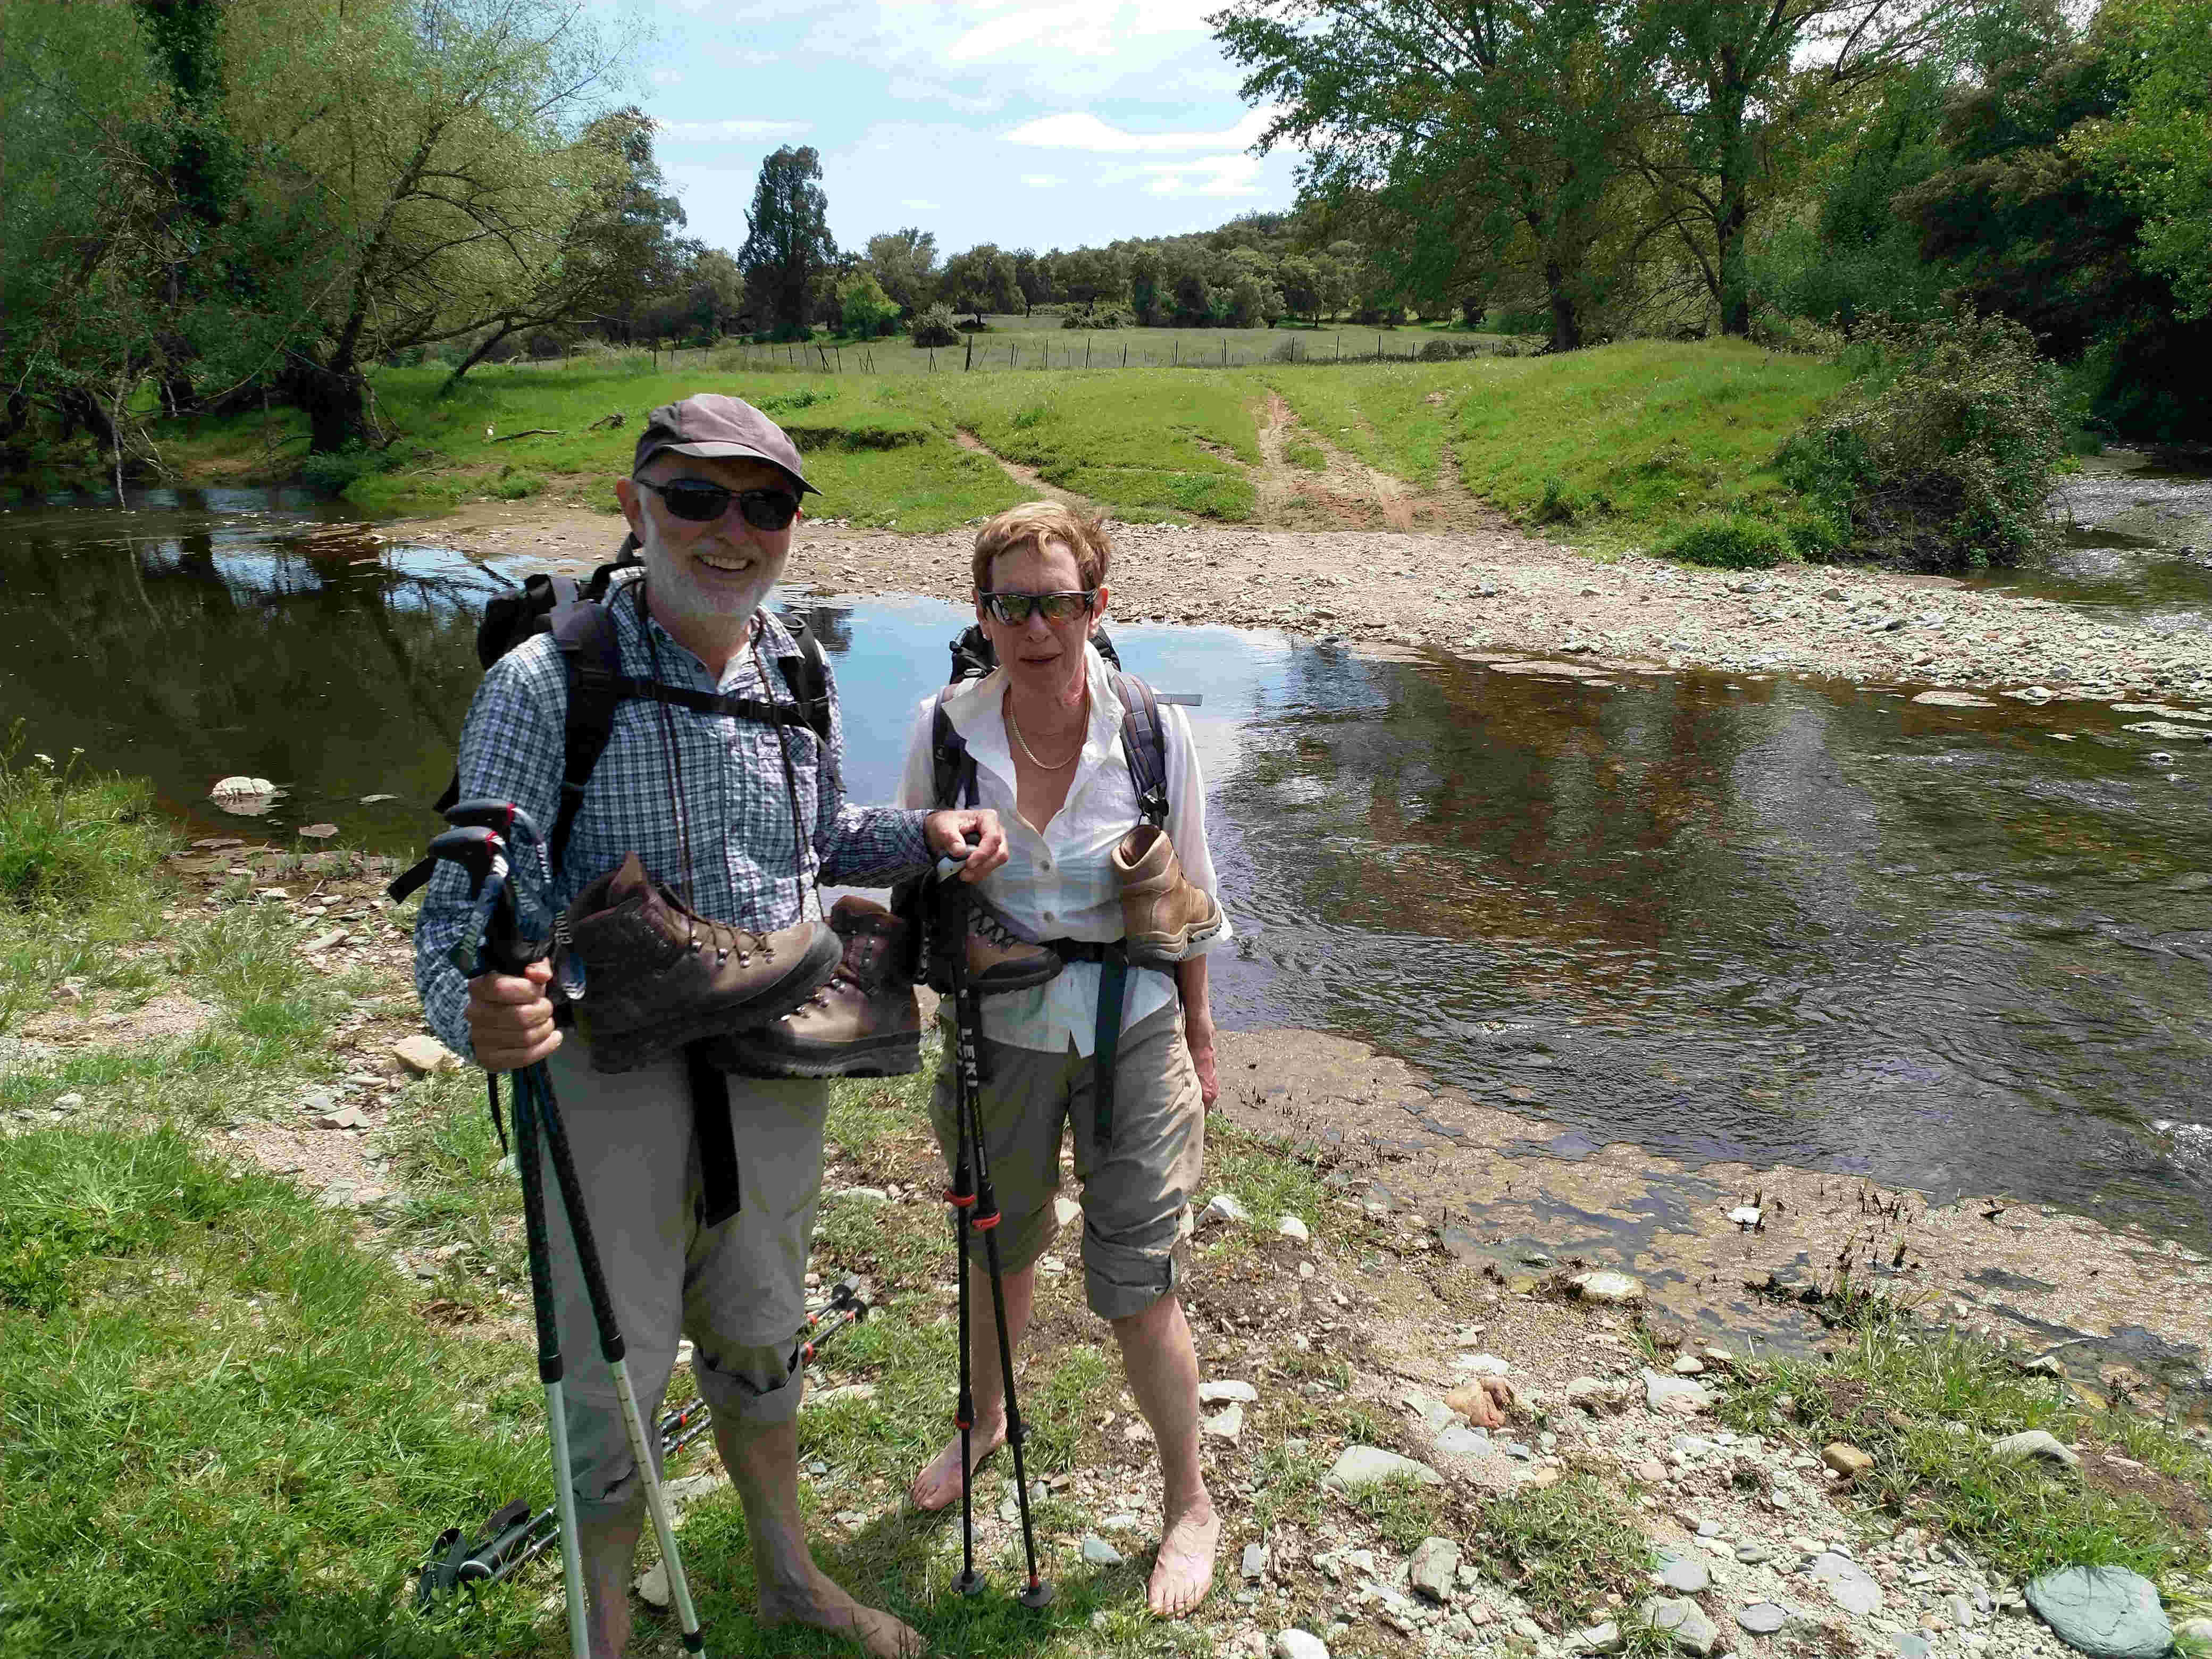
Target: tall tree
[[418, 166], [615, 253], [980, 280], [788, 248], [1741, 80], [1478, 130], [905, 264]]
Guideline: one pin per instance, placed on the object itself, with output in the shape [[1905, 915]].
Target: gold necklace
[[1022, 743]]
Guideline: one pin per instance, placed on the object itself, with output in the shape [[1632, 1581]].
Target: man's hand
[[510, 1021], [975, 833]]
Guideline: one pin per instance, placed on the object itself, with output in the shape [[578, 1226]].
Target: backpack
[[579, 617]]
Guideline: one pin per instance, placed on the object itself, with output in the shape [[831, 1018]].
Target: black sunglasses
[[702, 503], [1065, 606]]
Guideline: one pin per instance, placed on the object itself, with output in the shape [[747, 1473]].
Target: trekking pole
[[519, 931], [969, 1109], [961, 1195], [483, 854]]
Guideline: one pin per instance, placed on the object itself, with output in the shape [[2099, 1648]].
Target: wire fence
[[1039, 350]]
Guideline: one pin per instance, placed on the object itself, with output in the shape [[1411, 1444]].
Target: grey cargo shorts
[[739, 1291], [1135, 1188]]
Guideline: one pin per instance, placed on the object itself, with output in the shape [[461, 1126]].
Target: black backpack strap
[[807, 674], [951, 767], [590, 652], [1145, 746]]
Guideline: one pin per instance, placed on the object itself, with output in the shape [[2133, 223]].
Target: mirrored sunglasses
[[1065, 606], [702, 503]]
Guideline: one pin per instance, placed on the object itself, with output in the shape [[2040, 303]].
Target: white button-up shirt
[[1059, 882]]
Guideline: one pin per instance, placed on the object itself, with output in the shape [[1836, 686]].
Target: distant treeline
[[211, 204]]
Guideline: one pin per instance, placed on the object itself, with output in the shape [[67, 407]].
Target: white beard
[[677, 589]]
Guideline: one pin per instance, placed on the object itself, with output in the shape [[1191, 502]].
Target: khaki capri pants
[[739, 1291], [1135, 1189]]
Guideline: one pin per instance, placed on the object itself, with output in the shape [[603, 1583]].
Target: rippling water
[[1780, 921]]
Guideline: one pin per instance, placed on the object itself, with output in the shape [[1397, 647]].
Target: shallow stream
[[1758, 919]]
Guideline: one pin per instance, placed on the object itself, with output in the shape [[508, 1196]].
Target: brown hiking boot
[[656, 977], [866, 1022], [1002, 955], [1162, 915]]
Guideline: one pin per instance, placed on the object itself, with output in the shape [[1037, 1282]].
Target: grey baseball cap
[[711, 426]]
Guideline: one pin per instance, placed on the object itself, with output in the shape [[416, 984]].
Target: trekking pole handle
[[499, 945], [530, 877]]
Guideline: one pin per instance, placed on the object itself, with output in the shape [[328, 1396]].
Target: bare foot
[[822, 1603], [1486, 1402], [938, 1486], [1184, 1572]]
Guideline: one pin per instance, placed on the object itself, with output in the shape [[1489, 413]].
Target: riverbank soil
[[1653, 1462], [1494, 589]]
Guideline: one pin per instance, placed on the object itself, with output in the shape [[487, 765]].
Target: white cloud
[[1042, 180], [1078, 29], [1080, 129], [667, 77], [717, 132], [1207, 175]]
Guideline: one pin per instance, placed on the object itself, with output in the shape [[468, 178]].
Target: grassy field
[[1610, 446]]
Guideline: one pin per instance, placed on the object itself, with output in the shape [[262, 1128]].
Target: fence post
[[1225, 351], [969, 362], [1086, 351], [932, 359], [1177, 363], [1125, 354], [1339, 345]]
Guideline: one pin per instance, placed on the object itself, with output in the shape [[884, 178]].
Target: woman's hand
[[510, 1020], [1201, 1060], [977, 834], [1198, 1024]]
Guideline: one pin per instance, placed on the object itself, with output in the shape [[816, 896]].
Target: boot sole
[[627, 1051], [1167, 949], [895, 1056]]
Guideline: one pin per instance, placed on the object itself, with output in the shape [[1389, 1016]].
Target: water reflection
[[1771, 919]]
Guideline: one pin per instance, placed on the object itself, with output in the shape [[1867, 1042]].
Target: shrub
[[1940, 454], [1724, 541], [514, 486], [68, 838], [331, 470], [935, 327], [1098, 317]]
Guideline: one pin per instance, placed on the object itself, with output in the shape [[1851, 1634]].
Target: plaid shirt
[[746, 866]]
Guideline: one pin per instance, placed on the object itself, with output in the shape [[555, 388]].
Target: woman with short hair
[[1087, 878]]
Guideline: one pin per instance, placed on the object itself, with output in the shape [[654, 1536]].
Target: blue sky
[[1028, 124]]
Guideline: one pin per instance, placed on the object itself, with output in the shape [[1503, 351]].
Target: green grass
[[1894, 1393], [1633, 438], [225, 1428], [1616, 446]]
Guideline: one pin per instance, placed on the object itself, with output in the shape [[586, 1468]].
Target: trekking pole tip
[[1037, 1595], [969, 1583]]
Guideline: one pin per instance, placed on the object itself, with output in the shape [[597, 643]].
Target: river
[[1766, 920]]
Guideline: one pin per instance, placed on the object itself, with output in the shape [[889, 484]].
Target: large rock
[[2107, 1613], [1098, 1553], [2036, 1444], [1684, 1621], [1299, 1645], [1762, 1618], [1436, 1564], [1847, 1460], [1677, 1395], [426, 1055], [1217, 1393], [1359, 1468], [1604, 1285], [1851, 1586], [1683, 1574]]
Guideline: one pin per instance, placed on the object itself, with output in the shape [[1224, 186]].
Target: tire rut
[[1028, 476]]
